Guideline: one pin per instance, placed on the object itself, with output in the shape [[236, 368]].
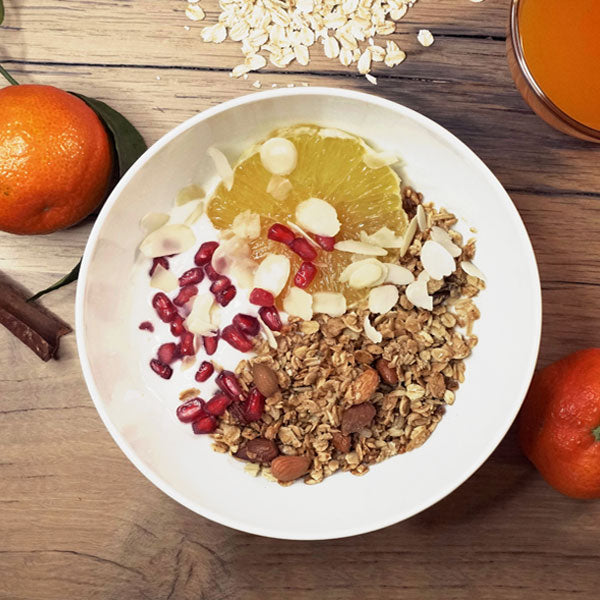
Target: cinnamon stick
[[29, 322]]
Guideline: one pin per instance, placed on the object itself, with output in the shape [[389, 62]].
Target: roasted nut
[[289, 468], [388, 374], [358, 417], [365, 385], [341, 442], [258, 450], [265, 379]]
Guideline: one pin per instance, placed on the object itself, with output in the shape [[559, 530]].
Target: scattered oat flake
[[370, 78], [257, 84], [194, 12], [425, 37]]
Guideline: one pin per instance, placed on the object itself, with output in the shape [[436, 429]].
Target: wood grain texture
[[76, 518]]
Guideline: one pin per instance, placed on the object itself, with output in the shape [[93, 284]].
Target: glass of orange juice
[[554, 57]]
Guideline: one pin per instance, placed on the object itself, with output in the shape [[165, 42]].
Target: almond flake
[[360, 248], [376, 160], [409, 236], [199, 320], [436, 260], [371, 332], [152, 221], [163, 279], [417, 294], [470, 269], [318, 217], [246, 225], [279, 187], [188, 194], [365, 274], [303, 233], [329, 303], [231, 250], [383, 237], [224, 170], [421, 218], [195, 214], [298, 303], [442, 237], [398, 275], [187, 362], [425, 37], [272, 273], [269, 335], [242, 273], [168, 239], [279, 156], [382, 299]]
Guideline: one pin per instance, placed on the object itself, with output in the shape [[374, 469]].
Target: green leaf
[[1, 12], [72, 276], [7, 75], [129, 144]]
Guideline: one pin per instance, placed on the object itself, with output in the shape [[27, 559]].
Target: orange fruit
[[55, 159], [331, 167], [559, 425]]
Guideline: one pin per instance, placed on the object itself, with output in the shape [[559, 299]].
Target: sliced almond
[[318, 217], [382, 299], [371, 332], [436, 260], [163, 279], [269, 335], [279, 187], [187, 362], [188, 194], [279, 156], [224, 170], [383, 237], [242, 273], [421, 218], [152, 221], [246, 225], [272, 273], [199, 320], [441, 236], [356, 264], [423, 276], [195, 214], [376, 160], [417, 294], [329, 303], [365, 275], [398, 275], [409, 236], [298, 303], [470, 269], [360, 248], [168, 239], [230, 251]]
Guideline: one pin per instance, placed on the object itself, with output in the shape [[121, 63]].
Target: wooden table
[[77, 520]]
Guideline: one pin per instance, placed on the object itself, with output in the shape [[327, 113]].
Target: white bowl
[[214, 485]]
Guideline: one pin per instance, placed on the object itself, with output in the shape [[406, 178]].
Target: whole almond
[[365, 385], [388, 374], [357, 417], [341, 442], [289, 468], [258, 450], [265, 379]]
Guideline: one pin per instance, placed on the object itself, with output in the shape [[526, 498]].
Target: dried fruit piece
[[247, 324], [254, 406], [365, 385], [191, 410], [298, 303], [186, 293], [204, 425], [271, 318], [168, 353], [164, 307], [191, 276], [281, 233], [218, 404], [382, 299], [167, 240], [158, 260], [356, 247], [357, 417], [159, 368], [436, 260], [318, 216], [305, 274], [329, 303], [279, 156], [205, 253], [205, 370], [272, 273], [210, 344], [265, 379], [258, 450], [235, 338], [387, 373], [303, 249], [326, 242], [261, 297], [224, 170], [290, 468], [341, 442]]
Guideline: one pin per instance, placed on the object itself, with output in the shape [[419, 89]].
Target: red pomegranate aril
[[186, 344], [281, 233], [306, 273], [177, 327], [270, 315], [303, 249], [220, 284], [164, 307], [161, 369], [327, 243], [211, 273], [159, 260], [168, 353], [254, 406], [205, 252], [210, 343], [226, 296], [191, 410], [204, 425], [228, 383], [234, 337], [218, 404], [261, 297], [205, 370], [247, 324], [146, 326], [195, 275], [186, 293]]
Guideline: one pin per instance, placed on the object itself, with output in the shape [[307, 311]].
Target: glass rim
[[517, 47]]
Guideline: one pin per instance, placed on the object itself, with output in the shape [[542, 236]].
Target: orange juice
[[561, 46]]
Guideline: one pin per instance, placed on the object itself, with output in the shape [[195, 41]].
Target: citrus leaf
[[72, 276], [7, 75]]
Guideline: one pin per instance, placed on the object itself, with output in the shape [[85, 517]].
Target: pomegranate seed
[[164, 307], [327, 243], [195, 275], [159, 368], [211, 273], [204, 425], [210, 343], [205, 252], [281, 233], [220, 284], [218, 404], [168, 353], [303, 249], [226, 296], [186, 293], [205, 370], [159, 260], [254, 406], [191, 410], [247, 324], [177, 327], [270, 315], [261, 297], [146, 325], [229, 384], [186, 344], [306, 273], [234, 337]]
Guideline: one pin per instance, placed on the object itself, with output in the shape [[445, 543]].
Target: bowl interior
[[140, 416]]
